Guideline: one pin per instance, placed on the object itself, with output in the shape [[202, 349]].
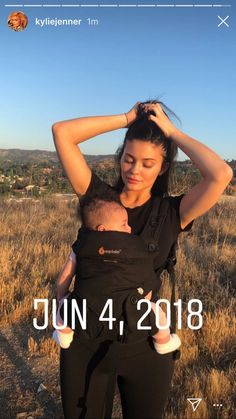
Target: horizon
[[90, 154]]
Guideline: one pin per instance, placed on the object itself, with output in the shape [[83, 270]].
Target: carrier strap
[[170, 267], [156, 219], [152, 229], [171, 271]]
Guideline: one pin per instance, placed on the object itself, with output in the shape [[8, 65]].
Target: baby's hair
[[95, 209]]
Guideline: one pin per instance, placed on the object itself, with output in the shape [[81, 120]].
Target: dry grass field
[[35, 240]]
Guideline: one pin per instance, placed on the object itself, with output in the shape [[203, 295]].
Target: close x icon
[[223, 21]]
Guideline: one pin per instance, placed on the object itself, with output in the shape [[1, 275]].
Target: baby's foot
[[63, 339], [170, 346]]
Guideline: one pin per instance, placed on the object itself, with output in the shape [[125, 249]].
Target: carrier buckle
[[140, 290], [152, 247]]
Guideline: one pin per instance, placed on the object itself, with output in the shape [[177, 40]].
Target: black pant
[[89, 371]]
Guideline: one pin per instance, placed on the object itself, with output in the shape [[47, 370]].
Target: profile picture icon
[[17, 21]]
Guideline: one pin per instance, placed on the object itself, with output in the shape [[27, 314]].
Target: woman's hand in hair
[[157, 115], [132, 114]]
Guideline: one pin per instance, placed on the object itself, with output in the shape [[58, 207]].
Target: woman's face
[[15, 21], [141, 163]]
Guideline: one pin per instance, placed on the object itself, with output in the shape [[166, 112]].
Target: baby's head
[[104, 213]]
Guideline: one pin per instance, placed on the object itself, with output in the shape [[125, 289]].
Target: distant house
[[47, 170], [29, 188], [32, 190]]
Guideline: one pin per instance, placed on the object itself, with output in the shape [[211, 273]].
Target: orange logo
[[101, 251]]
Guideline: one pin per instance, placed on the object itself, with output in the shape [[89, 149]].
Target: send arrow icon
[[194, 401]]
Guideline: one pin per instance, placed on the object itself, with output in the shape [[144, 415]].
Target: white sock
[[170, 346], [63, 339]]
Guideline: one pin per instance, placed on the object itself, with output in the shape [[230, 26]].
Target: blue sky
[[55, 73]]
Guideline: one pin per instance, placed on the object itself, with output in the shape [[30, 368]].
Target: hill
[[16, 156]]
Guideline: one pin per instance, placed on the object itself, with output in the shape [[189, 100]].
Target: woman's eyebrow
[[146, 158]]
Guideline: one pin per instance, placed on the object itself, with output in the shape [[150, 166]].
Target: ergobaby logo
[[103, 251]]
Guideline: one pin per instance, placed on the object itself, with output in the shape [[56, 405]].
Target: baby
[[103, 273]]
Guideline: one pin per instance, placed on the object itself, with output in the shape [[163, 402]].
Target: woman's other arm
[[65, 277], [68, 134], [216, 175], [215, 172]]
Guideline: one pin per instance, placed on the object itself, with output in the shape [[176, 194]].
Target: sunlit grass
[[35, 239]]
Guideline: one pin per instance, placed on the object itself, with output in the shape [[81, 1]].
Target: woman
[[88, 368], [17, 21]]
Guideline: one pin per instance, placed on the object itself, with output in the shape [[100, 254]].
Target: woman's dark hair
[[146, 130]]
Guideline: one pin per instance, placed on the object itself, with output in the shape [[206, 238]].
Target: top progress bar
[[119, 5]]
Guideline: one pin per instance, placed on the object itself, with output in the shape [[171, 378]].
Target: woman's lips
[[132, 180]]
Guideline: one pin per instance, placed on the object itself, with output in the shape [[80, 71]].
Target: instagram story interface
[[118, 198]]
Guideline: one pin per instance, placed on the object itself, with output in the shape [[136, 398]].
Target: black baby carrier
[[115, 270], [125, 273], [151, 235]]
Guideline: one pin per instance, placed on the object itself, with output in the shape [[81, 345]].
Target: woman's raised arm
[[216, 173], [68, 134]]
